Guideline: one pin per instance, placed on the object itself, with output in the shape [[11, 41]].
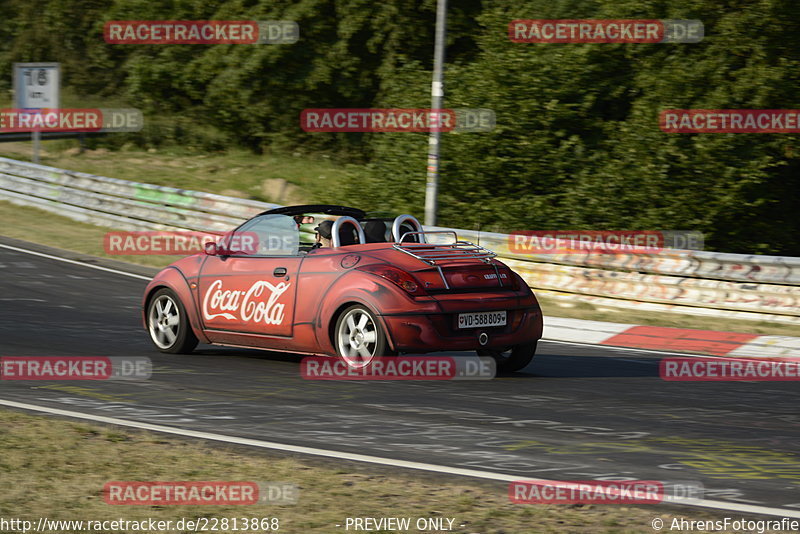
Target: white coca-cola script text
[[246, 306]]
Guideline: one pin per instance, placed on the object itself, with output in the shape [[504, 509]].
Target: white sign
[[36, 85]]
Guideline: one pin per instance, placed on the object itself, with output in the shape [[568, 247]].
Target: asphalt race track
[[577, 412]]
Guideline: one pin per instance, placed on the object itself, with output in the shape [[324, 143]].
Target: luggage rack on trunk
[[430, 253]]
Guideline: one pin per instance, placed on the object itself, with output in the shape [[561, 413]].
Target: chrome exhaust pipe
[[483, 338]]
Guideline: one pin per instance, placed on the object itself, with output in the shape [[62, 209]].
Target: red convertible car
[[362, 287]]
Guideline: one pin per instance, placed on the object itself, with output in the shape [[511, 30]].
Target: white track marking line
[[720, 505], [65, 260]]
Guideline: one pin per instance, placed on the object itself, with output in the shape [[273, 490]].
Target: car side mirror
[[220, 248], [211, 249]]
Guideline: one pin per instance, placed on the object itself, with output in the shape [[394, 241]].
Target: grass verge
[[45, 228], [56, 469], [290, 179]]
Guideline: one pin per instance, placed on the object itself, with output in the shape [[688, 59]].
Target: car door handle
[[279, 271]]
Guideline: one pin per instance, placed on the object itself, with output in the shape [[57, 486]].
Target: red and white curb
[[731, 344]]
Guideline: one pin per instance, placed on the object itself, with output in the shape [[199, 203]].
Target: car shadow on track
[[547, 364], [554, 365], [235, 352]]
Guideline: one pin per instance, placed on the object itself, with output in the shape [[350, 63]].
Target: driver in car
[[323, 234]]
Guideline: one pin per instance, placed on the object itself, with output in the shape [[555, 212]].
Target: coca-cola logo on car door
[[259, 304]]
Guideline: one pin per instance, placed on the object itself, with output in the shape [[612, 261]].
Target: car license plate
[[481, 319]]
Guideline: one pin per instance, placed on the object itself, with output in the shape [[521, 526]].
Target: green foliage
[[577, 143]]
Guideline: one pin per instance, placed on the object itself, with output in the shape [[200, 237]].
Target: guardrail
[[737, 285], [686, 263], [119, 203], [695, 282]]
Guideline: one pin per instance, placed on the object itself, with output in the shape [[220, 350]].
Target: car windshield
[[277, 235]]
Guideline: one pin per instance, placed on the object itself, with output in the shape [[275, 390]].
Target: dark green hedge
[[577, 143]]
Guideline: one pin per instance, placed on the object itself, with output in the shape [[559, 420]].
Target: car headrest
[[405, 228], [347, 236], [375, 231]]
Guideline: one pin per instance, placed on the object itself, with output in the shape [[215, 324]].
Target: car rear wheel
[[168, 324], [514, 359], [359, 337]]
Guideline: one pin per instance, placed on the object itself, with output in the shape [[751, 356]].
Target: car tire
[[168, 323], [359, 337], [514, 359]]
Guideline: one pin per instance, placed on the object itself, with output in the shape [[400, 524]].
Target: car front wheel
[[168, 323]]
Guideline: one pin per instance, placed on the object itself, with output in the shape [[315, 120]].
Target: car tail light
[[397, 276]]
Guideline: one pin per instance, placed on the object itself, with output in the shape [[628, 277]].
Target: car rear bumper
[[439, 331]]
